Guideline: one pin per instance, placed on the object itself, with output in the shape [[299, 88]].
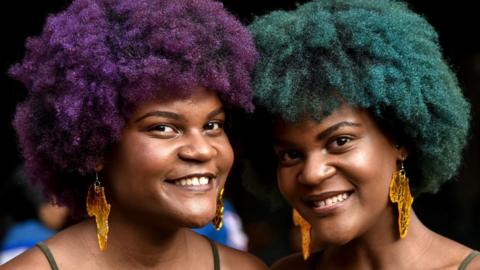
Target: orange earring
[[305, 230], [400, 194], [218, 219], [97, 206]]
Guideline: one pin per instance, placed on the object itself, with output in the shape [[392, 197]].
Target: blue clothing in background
[[231, 234], [21, 237]]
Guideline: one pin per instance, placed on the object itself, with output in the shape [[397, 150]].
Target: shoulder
[[446, 253], [474, 263], [30, 259], [294, 261], [235, 259], [67, 250]]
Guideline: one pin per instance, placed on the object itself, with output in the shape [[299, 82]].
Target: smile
[[331, 200], [193, 181]]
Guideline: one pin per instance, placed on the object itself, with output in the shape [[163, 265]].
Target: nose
[[316, 169], [197, 149]]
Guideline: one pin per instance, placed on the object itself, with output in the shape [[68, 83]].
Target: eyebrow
[[176, 116], [216, 112]]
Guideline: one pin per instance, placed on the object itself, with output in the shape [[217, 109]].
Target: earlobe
[[99, 164], [402, 152]]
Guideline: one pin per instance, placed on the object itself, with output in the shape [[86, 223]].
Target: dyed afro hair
[[99, 59], [372, 54]]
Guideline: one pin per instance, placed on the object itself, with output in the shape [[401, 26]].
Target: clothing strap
[[46, 251], [51, 260], [216, 256], [314, 259], [468, 259]]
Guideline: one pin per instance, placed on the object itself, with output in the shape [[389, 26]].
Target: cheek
[[135, 163], [145, 158], [370, 170], [155, 158]]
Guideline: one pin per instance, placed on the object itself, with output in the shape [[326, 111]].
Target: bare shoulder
[[294, 261], [231, 259], [449, 254], [66, 247], [30, 259]]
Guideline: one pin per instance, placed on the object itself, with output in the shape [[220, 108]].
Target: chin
[[198, 223], [198, 219], [335, 237]]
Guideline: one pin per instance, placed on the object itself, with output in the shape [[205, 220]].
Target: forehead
[[198, 100]]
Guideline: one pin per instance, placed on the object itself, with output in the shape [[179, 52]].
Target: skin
[[150, 215], [348, 153]]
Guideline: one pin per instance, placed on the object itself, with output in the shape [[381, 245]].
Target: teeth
[[331, 201], [194, 181], [203, 180]]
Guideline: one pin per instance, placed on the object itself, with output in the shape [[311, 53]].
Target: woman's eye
[[213, 126], [342, 140], [339, 143], [164, 130], [288, 157]]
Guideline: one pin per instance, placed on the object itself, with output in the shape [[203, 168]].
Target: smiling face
[[336, 173], [171, 162]]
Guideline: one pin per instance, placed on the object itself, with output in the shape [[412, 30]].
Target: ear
[[99, 164]]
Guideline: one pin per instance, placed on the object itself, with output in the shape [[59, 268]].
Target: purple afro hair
[[99, 59]]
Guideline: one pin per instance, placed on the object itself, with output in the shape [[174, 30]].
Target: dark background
[[453, 212]]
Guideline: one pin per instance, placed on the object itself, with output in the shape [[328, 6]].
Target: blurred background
[[453, 212]]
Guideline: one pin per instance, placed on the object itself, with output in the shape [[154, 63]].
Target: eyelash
[[339, 147], [157, 128], [215, 126], [290, 161], [220, 125]]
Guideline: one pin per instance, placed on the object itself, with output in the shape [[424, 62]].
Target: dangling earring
[[218, 219], [305, 230], [400, 194], [97, 206]]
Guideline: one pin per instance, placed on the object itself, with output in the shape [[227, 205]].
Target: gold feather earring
[[97, 206], [218, 219], [401, 195], [305, 230]]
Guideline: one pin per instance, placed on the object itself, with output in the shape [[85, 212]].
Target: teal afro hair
[[372, 54]]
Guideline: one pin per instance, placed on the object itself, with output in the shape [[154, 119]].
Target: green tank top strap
[[51, 260], [468, 259], [46, 251], [216, 256]]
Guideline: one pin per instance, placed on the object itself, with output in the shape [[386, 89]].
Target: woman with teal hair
[[367, 115]]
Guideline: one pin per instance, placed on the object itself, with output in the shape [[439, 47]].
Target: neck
[[382, 248], [133, 244]]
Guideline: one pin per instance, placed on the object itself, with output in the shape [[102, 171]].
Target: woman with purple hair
[[124, 122]]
